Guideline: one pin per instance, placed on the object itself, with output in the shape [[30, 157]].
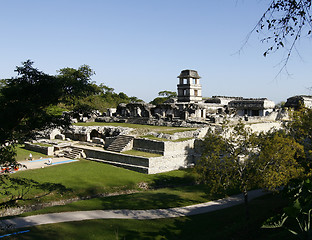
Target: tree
[[277, 162], [297, 216], [284, 23], [239, 158], [26, 102], [300, 128], [165, 95], [77, 83]]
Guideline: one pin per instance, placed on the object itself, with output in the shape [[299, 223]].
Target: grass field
[[152, 199], [142, 154], [22, 154], [87, 178], [219, 225], [171, 189]]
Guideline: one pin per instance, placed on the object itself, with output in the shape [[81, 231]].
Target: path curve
[[30, 221]]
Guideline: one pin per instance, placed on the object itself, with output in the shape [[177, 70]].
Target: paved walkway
[[211, 206], [42, 163]]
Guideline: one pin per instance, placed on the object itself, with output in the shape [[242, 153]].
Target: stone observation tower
[[189, 89]]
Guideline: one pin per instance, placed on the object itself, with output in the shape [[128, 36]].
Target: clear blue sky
[[140, 46]]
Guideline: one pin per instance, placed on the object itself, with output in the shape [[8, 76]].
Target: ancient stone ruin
[[191, 108], [110, 144]]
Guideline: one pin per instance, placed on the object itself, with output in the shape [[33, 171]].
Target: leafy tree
[[78, 83], [283, 24], [164, 96], [277, 160], [167, 94], [300, 128], [299, 209], [215, 166], [26, 104], [239, 158]]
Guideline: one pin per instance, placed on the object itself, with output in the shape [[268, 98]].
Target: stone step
[[120, 143], [136, 168], [73, 153]]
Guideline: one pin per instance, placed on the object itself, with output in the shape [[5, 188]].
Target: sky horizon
[[140, 47]]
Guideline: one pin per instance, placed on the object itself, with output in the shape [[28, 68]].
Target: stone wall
[[198, 133], [176, 155], [148, 145], [178, 148], [264, 127], [169, 163], [41, 149], [116, 157]]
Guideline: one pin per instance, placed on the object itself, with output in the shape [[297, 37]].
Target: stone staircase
[[120, 143], [73, 153]]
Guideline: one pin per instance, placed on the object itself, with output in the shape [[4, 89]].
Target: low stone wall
[[177, 148], [177, 155], [198, 133], [169, 163], [265, 127], [41, 149], [148, 145], [116, 157]]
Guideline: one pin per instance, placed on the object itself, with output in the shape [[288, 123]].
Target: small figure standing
[[50, 161], [30, 157]]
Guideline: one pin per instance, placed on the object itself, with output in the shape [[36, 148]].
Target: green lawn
[[172, 189], [23, 154], [219, 225], [142, 154], [87, 178], [152, 199]]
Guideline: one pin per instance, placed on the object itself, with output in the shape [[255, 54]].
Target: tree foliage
[[26, 102], [277, 161], [283, 24], [239, 158], [164, 96], [300, 128], [297, 216], [105, 97]]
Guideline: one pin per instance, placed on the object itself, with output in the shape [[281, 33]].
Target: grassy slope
[[85, 178], [152, 199], [22, 154], [224, 224]]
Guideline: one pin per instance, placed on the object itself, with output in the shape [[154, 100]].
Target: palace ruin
[[109, 144]]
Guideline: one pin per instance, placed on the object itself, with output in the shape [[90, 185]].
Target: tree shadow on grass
[[219, 225], [162, 181], [222, 224]]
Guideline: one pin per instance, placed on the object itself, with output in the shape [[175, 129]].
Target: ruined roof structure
[[299, 101], [189, 74], [252, 103]]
